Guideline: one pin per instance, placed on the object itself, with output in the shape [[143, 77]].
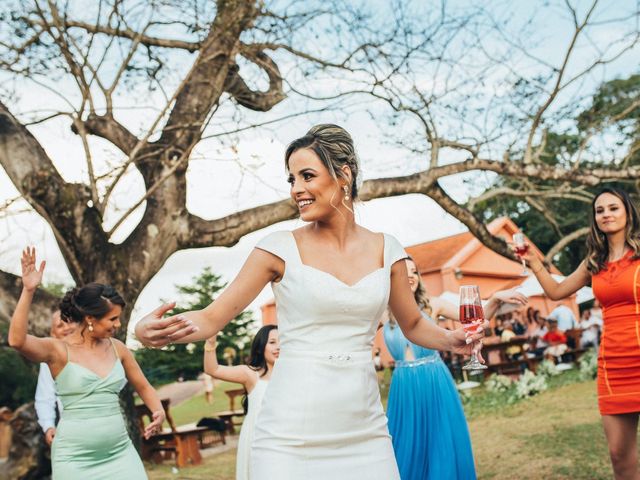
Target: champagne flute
[[471, 316], [521, 248]]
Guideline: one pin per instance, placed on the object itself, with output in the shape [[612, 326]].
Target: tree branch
[[205, 82], [63, 205], [107, 127], [240, 91], [130, 34], [556, 193], [475, 225], [557, 87], [563, 242]]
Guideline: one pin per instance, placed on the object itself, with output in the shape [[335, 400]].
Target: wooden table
[[232, 394], [183, 442]]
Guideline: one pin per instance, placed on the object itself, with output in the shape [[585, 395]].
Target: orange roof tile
[[438, 251]]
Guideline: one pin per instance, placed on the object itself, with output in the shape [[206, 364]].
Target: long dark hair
[[597, 244], [257, 360]]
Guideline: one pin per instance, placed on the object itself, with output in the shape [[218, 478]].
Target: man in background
[[46, 398], [564, 316]]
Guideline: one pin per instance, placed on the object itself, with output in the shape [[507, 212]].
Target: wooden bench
[[232, 394], [227, 416], [506, 364], [181, 442]]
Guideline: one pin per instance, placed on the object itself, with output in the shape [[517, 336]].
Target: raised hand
[[156, 425], [31, 276], [155, 331], [511, 296]]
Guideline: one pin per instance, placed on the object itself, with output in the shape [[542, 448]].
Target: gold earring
[[346, 192], [90, 327]]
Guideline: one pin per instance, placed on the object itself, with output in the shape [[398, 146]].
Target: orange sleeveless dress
[[618, 289]]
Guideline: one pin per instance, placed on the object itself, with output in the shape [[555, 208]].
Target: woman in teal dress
[[90, 368], [426, 421]]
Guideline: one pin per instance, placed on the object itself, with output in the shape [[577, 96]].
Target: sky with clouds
[[225, 177]]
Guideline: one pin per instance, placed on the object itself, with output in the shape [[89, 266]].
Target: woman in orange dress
[[612, 266]]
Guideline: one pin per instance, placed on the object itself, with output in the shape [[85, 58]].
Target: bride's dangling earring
[[346, 192]]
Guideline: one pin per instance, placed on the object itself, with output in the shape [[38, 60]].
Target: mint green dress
[[91, 439]]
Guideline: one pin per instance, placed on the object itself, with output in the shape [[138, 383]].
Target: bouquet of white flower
[[498, 383], [530, 384], [547, 369]]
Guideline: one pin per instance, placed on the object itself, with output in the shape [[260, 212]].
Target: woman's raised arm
[[34, 348]]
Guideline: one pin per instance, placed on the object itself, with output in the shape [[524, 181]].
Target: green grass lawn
[[195, 408], [216, 467], [554, 435]]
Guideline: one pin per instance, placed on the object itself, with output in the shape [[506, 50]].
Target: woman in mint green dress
[[90, 368]]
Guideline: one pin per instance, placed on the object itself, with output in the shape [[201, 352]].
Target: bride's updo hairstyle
[[94, 299], [334, 146]]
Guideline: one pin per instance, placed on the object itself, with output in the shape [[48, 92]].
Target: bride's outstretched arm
[[260, 268]]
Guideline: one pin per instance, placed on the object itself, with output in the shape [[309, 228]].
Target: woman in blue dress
[[426, 421]]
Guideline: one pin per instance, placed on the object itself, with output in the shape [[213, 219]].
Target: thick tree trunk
[[29, 456], [44, 304]]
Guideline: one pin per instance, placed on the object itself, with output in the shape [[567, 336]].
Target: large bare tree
[[461, 89], [459, 82]]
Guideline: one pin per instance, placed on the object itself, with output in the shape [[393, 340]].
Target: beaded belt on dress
[[418, 362], [334, 357]]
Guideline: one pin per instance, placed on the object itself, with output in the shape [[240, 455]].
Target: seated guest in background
[[46, 400], [507, 335], [517, 324], [537, 344], [564, 316], [590, 325], [556, 340], [531, 321], [501, 320]]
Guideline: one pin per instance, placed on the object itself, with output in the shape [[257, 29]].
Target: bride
[[332, 280]]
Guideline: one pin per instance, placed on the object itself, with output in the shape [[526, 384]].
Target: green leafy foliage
[[185, 360], [18, 377], [57, 289]]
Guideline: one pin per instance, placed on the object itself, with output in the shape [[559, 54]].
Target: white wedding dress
[[321, 417], [245, 439]]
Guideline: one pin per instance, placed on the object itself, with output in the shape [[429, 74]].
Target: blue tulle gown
[[430, 434]]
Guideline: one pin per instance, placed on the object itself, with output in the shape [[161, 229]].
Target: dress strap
[[115, 350], [281, 244], [393, 251]]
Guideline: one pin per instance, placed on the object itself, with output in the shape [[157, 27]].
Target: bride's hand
[[154, 331], [463, 342]]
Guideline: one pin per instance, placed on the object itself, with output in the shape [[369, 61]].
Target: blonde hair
[[597, 244]]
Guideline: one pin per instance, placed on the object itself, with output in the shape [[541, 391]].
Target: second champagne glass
[[521, 248], [471, 316]]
